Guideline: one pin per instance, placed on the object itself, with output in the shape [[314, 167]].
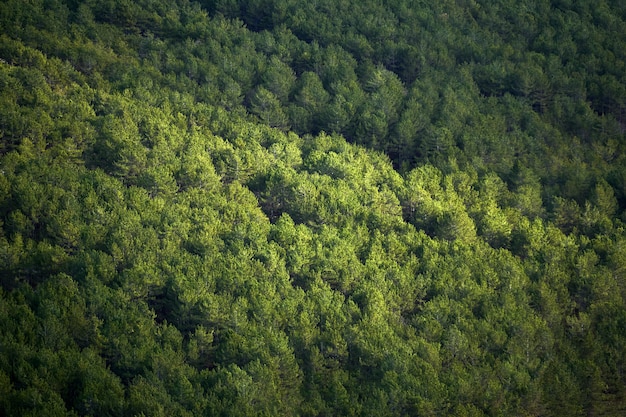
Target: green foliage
[[312, 208]]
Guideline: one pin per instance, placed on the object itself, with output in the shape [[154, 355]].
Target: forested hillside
[[320, 208]]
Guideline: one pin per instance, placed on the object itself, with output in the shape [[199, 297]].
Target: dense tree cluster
[[312, 208]]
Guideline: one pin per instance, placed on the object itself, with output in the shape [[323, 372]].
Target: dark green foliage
[[312, 208]]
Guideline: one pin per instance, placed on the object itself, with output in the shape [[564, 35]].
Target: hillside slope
[[328, 208]]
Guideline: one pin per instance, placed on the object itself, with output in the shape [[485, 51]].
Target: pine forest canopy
[[351, 208]]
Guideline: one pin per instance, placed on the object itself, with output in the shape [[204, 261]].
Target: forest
[[320, 208]]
